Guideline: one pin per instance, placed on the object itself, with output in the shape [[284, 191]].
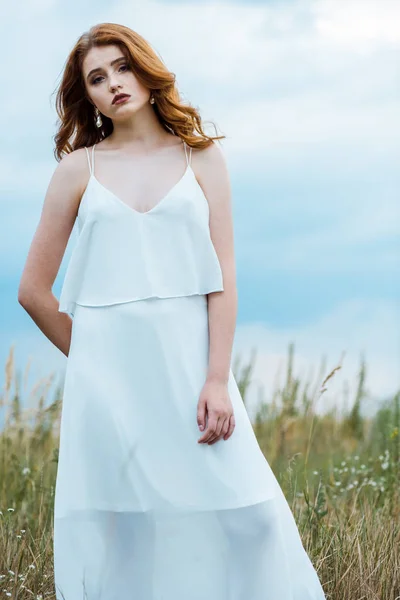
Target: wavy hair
[[77, 126]]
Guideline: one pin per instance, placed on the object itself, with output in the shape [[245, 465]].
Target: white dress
[[142, 510]]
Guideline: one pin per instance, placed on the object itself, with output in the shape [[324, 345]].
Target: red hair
[[77, 127]]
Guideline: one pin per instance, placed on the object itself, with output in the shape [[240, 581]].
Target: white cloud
[[354, 329], [358, 25], [339, 246], [25, 9]]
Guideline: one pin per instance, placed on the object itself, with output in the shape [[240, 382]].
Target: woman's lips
[[121, 100]]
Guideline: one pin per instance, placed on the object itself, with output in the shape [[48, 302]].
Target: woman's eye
[[97, 78]]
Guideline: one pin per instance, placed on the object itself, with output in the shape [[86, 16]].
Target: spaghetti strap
[[92, 172], [190, 152], [88, 158]]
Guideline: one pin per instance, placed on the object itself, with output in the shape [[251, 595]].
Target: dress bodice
[[123, 254]]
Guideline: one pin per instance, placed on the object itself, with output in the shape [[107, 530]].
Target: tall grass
[[340, 473]]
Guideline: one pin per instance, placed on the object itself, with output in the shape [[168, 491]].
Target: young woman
[[162, 491]]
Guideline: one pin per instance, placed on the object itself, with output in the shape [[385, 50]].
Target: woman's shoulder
[[75, 165], [75, 160], [209, 160]]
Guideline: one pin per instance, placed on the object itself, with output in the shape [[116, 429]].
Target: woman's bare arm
[[47, 249], [213, 177]]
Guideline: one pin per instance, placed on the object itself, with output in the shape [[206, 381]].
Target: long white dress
[[142, 510]]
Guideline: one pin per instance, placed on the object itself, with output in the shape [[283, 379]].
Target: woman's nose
[[113, 83]]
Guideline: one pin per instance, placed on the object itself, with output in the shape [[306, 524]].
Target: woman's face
[[106, 73]]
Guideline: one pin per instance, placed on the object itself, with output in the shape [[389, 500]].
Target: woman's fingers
[[217, 427], [231, 427], [210, 429], [216, 435], [224, 430]]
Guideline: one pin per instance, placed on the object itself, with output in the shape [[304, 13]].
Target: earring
[[99, 122], [152, 100]]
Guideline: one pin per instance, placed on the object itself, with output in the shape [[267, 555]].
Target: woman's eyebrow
[[111, 64]]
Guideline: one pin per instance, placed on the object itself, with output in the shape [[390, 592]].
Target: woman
[[162, 491]]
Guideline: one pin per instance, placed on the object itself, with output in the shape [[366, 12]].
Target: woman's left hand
[[215, 403]]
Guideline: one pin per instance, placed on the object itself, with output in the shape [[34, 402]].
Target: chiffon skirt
[[142, 510]]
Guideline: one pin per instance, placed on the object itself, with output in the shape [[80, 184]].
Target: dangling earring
[[99, 122], [152, 100]]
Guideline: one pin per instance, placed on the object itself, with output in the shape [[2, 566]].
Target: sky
[[307, 94]]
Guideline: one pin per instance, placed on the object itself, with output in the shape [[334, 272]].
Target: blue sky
[[307, 95]]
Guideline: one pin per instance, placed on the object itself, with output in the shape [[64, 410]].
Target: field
[[340, 474]]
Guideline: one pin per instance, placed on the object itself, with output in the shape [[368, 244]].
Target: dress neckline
[[160, 202], [156, 206]]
